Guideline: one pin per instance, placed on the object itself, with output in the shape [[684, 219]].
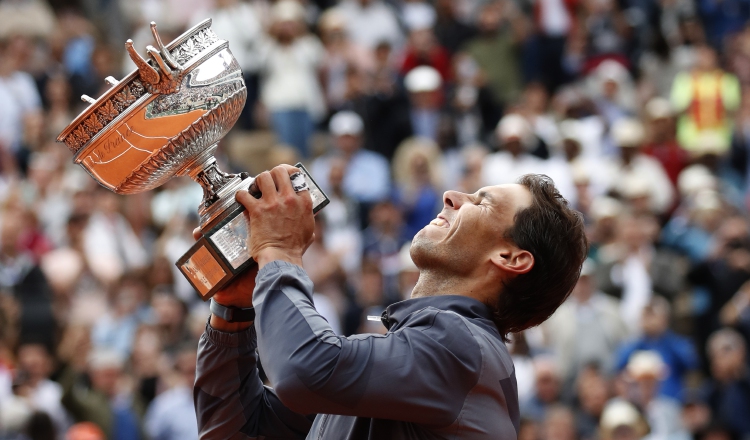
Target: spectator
[[383, 239], [417, 175], [34, 369], [371, 22], [342, 220], [514, 159], [622, 421], [105, 403], [116, 331], [324, 269], [593, 392], [559, 424], [450, 31], [707, 98], [728, 391], [290, 89], [662, 144], [494, 50], [612, 92], [347, 128], [547, 387], [423, 49], [676, 352], [586, 329], [720, 276], [22, 278], [342, 58], [18, 92], [171, 416], [425, 96], [632, 165]]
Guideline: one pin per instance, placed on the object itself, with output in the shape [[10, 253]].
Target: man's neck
[[437, 282]]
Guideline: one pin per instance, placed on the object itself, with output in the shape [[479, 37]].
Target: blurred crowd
[[638, 109]]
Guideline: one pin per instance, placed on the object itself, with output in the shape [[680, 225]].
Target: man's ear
[[513, 261]]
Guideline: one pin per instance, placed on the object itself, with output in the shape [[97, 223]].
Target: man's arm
[[230, 399], [421, 373]]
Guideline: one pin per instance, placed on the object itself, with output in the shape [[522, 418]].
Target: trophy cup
[[165, 119]]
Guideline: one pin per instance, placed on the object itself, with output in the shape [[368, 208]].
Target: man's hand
[[281, 221]]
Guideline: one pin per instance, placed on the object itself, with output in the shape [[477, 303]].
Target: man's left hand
[[281, 220]]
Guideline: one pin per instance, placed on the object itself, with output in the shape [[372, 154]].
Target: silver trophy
[[165, 119]]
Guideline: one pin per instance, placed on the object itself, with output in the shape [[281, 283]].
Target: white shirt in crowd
[[290, 76], [644, 168], [502, 168], [372, 24], [367, 177], [111, 246], [19, 97]]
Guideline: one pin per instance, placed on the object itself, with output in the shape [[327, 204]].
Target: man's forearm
[[229, 395], [226, 361]]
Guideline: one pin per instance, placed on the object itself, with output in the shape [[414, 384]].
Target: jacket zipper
[[322, 426]]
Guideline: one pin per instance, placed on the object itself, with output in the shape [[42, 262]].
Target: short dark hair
[[554, 234]]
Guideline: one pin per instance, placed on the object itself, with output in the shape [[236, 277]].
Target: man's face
[[469, 229]]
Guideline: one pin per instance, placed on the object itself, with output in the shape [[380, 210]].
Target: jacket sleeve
[[230, 399], [420, 373]]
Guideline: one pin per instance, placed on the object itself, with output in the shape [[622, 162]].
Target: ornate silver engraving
[[194, 45], [163, 79], [199, 136]]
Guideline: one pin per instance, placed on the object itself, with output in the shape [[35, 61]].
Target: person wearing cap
[[514, 159], [628, 134], [676, 352], [613, 91], [423, 48], [662, 144], [621, 420], [424, 85], [367, 176], [441, 370], [691, 229], [586, 329], [586, 169], [290, 88]]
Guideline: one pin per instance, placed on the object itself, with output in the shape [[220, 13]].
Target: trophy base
[[221, 253]]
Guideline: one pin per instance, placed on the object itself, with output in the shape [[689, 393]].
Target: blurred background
[[638, 109]]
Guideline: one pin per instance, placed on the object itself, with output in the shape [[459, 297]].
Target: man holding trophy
[[494, 262]]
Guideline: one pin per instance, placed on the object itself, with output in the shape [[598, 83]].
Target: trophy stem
[[218, 187], [205, 171]]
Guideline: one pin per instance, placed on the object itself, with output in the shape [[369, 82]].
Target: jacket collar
[[396, 314]]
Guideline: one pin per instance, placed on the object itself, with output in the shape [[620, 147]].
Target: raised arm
[[230, 400], [421, 373]]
